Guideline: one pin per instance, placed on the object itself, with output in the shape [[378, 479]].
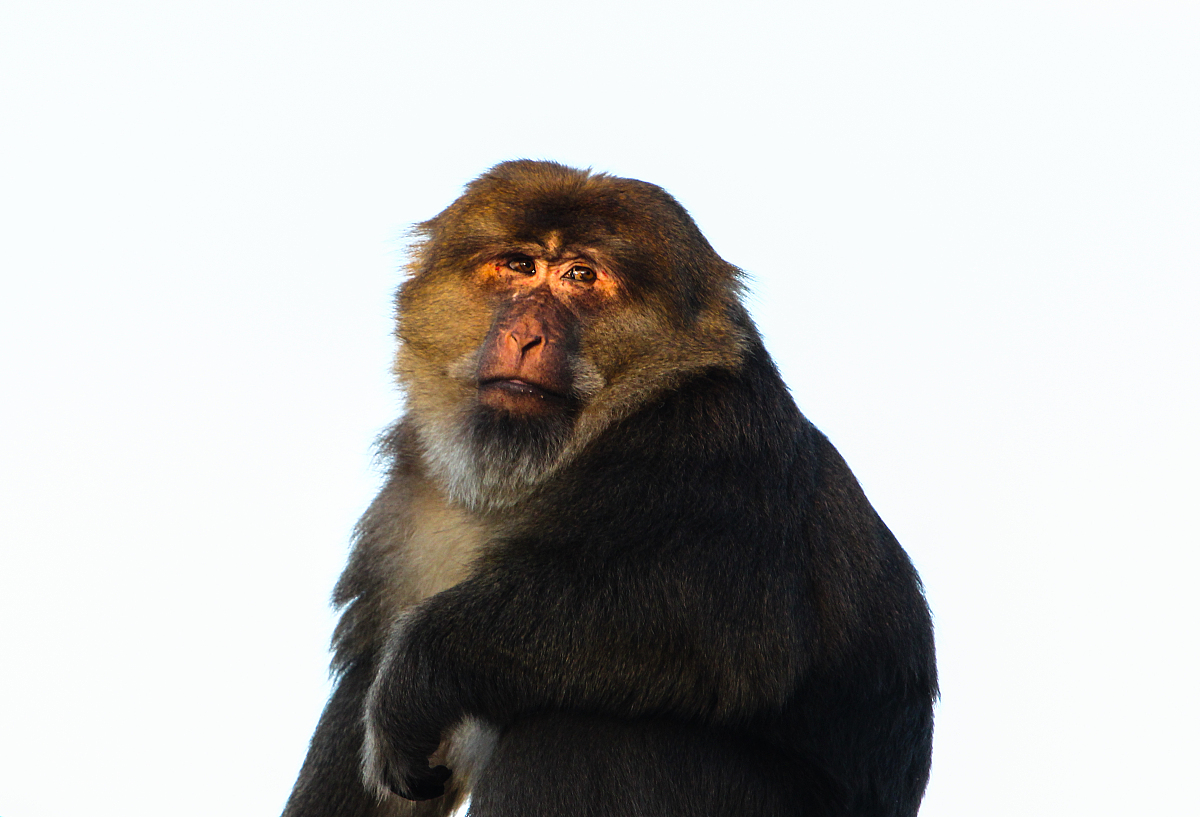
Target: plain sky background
[[973, 237]]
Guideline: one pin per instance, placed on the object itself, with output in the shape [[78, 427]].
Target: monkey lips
[[520, 396]]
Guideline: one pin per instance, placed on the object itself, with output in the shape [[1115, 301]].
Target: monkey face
[[529, 363], [499, 413]]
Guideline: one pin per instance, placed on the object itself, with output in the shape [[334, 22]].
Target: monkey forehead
[[637, 229], [550, 249]]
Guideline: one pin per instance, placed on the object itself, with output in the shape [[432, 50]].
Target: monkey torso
[[717, 478]]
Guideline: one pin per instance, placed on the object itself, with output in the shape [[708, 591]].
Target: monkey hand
[[403, 771], [403, 724], [414, 781]]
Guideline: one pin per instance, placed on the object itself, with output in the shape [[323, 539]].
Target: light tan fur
[[442, 543]]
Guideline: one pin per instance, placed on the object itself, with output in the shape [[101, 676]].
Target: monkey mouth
[[516, 388]]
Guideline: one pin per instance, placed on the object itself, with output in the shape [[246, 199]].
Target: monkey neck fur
[[486, 461]]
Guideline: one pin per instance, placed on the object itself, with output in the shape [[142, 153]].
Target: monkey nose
[[525, 340]]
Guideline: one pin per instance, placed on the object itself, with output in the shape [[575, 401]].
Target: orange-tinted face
[[572, 278], [542, 300]]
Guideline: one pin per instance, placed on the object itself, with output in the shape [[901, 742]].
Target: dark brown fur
[[613, 570]]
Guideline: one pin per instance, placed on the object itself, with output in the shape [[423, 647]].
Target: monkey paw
[[387, 768], [387, 771], [416, 783]]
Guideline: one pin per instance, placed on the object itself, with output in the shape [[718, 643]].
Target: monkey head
[[543, 305]]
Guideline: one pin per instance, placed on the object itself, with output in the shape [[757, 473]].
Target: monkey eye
[[580, 273], [522, 264]]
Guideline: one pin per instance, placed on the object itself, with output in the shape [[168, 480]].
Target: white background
[[972, 231]]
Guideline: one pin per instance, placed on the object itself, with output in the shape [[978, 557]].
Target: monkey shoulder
[[724, 475]]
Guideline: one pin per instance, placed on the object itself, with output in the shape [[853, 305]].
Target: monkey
[[612, 570]]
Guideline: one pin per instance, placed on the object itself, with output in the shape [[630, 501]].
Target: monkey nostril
[[525, 341]]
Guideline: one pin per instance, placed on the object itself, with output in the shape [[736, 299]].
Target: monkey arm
[[639, 638]]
